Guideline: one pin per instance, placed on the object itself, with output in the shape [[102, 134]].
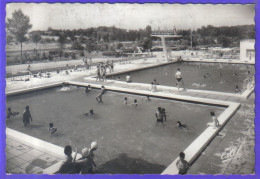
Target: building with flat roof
[[247, 51]]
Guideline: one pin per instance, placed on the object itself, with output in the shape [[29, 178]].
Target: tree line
[[19, 25]]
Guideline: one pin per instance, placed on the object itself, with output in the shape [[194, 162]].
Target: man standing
[[179, 79], [27, 116]]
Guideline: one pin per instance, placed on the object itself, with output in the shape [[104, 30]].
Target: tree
[[223, 40], [18, 26], [77, 46], [36, 37], [62, 39]]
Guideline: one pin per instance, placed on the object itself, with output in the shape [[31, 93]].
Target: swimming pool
[[204, 76], [129, 140]]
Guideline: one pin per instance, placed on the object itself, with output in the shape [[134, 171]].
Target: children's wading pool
[[128, 138]]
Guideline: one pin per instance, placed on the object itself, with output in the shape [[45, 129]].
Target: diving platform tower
[[163, 35]]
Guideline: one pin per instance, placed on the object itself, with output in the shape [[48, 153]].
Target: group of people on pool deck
[[84, 165], [102, 70]]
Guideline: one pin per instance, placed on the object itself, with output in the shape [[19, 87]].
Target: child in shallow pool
[[125, 101], [9, 113], [102, 92], [52, 129], [179, 125], [90, 113], [88, 89]]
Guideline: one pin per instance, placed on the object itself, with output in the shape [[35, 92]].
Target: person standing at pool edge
[[27, 116], [179, 79]]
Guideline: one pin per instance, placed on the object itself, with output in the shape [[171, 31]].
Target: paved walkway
[[24, 158], [231, 152]]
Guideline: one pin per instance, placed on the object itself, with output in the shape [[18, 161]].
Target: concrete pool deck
[[230, 165]]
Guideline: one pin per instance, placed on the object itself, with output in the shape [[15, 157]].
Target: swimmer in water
[[88, 89], [9, 113], [102, 92], [90, 113], [237, 89], [220, 74], [125, 101], [52, 129], [215, 122], [179, 125], [163, 114], [159, 116], [135, 103]]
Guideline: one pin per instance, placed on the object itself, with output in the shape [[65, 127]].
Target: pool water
[[193, 76], [128, 138]]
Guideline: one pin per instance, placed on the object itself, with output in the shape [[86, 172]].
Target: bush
[[50, 57], [82, 54], [66, 54], [73, 56]]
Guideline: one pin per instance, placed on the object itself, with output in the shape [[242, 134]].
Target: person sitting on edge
[[148, 98], [9, 113], [237, 89], [159, 116], [182, 164], [68, 162], [90, 113], [52, 129], [153, 87], [99, 97], [125, 101], [128, 78], [27, 116], [215, 122], [88, 89]]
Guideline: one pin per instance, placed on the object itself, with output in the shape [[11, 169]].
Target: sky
[[133, 16]]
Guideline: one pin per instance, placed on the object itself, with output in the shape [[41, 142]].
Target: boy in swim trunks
[[10, 113], [182, 164], [99, 97], [52, 129], [159, 116], [27, 116], [179, 79]]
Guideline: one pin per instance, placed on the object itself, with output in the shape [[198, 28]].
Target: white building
[[247, 51]]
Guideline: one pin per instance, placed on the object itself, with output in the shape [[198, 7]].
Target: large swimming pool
[[204, 76], [128, 138]]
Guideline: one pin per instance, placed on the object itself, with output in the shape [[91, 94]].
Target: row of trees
[[19, 25]]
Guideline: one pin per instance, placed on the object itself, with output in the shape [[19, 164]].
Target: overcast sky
[[133, 16]]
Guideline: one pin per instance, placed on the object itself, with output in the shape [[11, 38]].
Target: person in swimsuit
[[52, 129], [9, 113], [182, 164], [159, 116], [88, 89], [125, 101], [179, 79], [99, 97], [27, 116]]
